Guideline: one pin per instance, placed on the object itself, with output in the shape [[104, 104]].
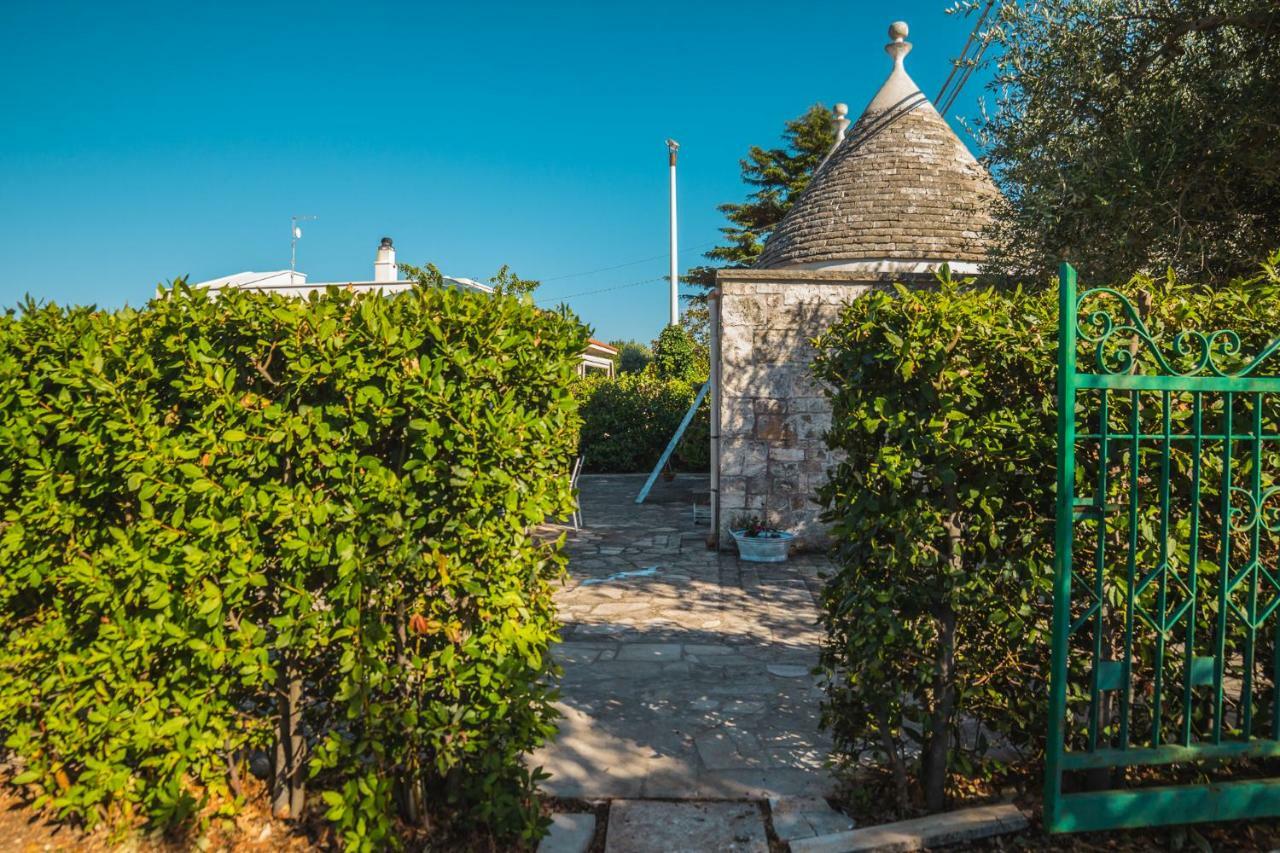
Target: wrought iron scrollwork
[[1211, 353], [1254, 513]]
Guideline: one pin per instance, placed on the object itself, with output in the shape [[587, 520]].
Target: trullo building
[[898, 196]]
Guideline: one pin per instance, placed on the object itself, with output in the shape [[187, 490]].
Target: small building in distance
[[898, 196], [386, 279], [597, 356]]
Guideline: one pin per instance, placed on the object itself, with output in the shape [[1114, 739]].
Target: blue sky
[[146, 141]]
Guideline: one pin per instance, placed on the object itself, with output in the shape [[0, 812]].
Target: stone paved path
[[690, 677]]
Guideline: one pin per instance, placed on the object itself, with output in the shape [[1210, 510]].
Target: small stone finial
[[841, 121], [898, 47]]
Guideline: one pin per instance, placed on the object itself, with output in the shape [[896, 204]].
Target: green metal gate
[[1166, 578]]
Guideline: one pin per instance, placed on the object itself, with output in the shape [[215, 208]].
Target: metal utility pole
[[672, 148]]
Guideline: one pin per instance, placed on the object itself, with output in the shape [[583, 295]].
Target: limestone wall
[[772, 412]]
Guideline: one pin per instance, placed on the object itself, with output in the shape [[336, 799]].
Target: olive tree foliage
[[1133, 135]]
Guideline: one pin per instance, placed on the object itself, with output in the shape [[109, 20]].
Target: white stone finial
[[841, 121], [898, 47]]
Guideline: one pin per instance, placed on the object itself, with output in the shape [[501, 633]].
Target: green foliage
[[505, 282], [1134, 136], [427, 276], [676, 355], [943, 402], [777, 176], [752, 527], [224, 517], [943, 511], [627, 422], [633, 356]]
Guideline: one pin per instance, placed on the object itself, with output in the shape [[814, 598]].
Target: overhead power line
[[602, 290], [603, 269], [963, 60], [684, 251]]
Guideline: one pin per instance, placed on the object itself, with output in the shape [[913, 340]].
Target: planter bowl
[[763, 549]]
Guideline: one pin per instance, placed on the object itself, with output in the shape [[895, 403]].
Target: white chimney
[[384, 268]]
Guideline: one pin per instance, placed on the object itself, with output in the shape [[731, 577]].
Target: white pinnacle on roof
[[899, 193], [899, 90]]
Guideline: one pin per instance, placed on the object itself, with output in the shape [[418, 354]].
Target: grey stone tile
[[708, 650], [681, 655], [786, 670], [828, 822], [569, 833], [658, 827], [649, 652], [920, 833]]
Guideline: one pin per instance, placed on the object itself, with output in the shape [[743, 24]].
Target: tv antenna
[[295, 234]]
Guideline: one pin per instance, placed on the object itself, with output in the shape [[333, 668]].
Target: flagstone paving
[[686, 671]]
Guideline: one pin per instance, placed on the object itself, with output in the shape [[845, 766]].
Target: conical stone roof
[[900, 188]]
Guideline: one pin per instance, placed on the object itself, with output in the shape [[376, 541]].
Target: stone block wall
[[773, 414]]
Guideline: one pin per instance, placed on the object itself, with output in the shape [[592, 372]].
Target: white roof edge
[[229, 281]]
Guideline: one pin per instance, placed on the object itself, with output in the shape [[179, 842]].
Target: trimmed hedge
[[943, 512], [255, 523], [628, 420]]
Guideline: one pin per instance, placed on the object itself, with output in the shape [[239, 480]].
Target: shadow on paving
[[692, 678]]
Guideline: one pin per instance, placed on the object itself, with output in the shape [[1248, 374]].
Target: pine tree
[[778, 175]]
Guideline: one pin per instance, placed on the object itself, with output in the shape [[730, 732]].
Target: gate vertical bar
[[1255, 554], [1062, 539], [1224, 568], [1193, 568], [1157, 698], [1100, 569], [1131, 567]]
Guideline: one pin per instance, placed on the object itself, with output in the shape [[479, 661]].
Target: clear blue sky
[[141, 142]]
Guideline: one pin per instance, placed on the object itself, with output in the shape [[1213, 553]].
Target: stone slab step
[[569, 833], [652, 826], [919, 833], [805, 817]]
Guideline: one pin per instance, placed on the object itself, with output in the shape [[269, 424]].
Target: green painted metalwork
[[1166, 610]]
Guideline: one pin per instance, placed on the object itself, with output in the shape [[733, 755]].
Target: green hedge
[[628, 420], [943, 511], [255, 523]]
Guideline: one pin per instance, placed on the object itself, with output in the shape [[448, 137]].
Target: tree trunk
[[889, 744], [288, 794], [938, 746]]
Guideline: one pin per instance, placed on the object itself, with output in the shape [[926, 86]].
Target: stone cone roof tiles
[[901, 187]]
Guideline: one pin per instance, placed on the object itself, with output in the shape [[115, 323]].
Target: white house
[[597, 356], [386, 279]]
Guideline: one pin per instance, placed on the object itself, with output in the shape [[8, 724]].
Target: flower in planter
[[753, 528]]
